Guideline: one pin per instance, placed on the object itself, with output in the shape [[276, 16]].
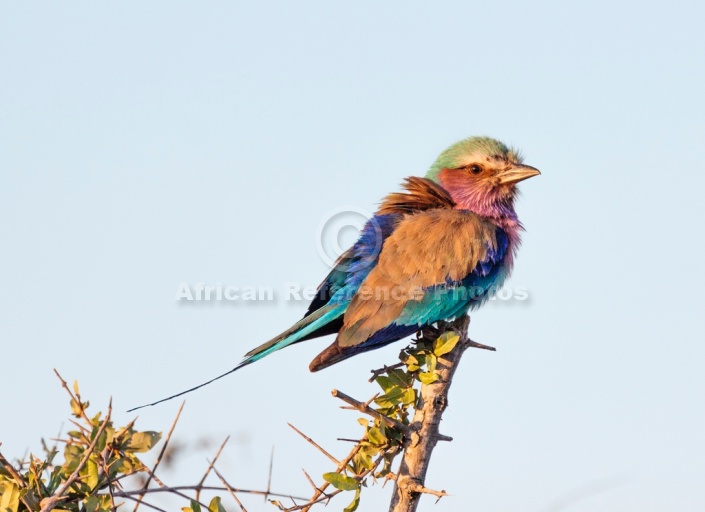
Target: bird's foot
[[429, 332], [459, 326]]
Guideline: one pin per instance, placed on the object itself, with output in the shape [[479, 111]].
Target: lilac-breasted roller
[[431, 253]]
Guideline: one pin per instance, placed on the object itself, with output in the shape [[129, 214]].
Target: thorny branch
[[97, 459], [50, 503], [410, 480], [364, 408], [390, 432], [432, 361]]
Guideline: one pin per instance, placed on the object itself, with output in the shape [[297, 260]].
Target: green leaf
[[428, 377], [376, 436], [215, 505], [144, 441], [445, 343], [55, 480], [362, 461], [355, 502], [392, 398], [102, 441], [368, 449], [409, 397], [91, 471], [431, 361], [78, 408], [195, 507], [72, 456], [97, 503], [10, 499], [340, 481], [412, 364], [91, 504], [109, 434], [95, 420], [385, 383], [401, 377]]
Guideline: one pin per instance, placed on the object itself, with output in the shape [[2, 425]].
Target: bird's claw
[[429, 333]]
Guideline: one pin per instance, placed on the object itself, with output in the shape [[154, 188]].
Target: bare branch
[[76, 398], [230, 490], [321, 490], [161, 454], [139, 500], [315, 487], [164, 487], [210, 467], [176, 489]]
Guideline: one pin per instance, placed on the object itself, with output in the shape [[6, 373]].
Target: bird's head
[[481, 174]]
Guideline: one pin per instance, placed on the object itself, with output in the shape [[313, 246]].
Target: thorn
[[318, 447], [269, 479], [416, 487], [475, 344], [367, 404]]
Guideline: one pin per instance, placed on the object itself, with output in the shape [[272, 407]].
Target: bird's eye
[[475, 169]]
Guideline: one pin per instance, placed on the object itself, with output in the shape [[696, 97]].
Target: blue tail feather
[[296, 332]]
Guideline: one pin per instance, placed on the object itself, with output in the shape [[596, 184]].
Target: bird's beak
[[517, 173]]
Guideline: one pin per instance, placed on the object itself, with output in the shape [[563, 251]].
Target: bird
[[431, 253]]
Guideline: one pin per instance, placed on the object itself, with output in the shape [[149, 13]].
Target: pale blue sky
[[145, 145]]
